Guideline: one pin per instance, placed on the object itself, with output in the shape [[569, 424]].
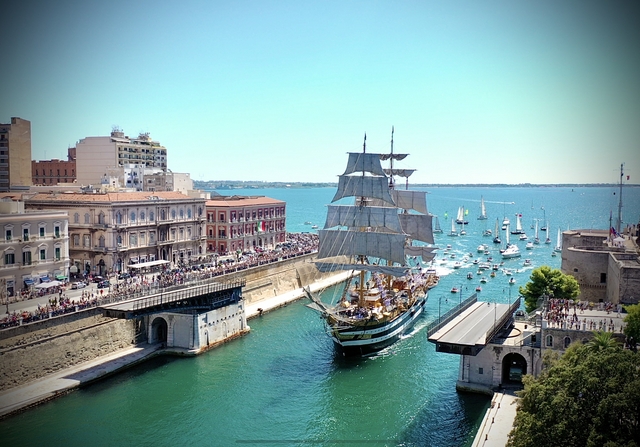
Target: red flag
[[627, 177]]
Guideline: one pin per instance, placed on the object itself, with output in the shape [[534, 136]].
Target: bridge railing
[[512, 308], [185, 293]]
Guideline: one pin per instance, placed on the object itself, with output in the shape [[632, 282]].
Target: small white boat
[[527, 262], [512, 281], [478, 289], [529, 245], [481, 248], [508, 272], [457, 265], [523, 237], [483, 280]]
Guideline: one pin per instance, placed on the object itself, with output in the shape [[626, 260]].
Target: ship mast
[[361, 300], [620, 200]]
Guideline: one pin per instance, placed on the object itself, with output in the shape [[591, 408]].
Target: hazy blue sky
[[478, 91]]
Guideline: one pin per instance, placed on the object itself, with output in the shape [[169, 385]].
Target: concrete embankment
[[497, 422]]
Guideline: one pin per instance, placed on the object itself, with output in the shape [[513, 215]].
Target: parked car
[[98, 279], [79, 285], [124, 276], [103, 284]]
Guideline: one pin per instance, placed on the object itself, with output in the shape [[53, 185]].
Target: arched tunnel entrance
[[159, 330], [514, 366]]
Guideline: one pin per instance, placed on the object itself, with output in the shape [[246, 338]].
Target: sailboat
[[436, 227], [460, 218], [536, 239], [373, 238], [518, 229], [548, 239], [483, 210], [454, 230], [496, 235], [558, 247]]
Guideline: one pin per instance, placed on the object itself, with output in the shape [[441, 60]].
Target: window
[[76, 218], [132, 216], [189, 213], [87, 218], [133, 240], [8, 235], [480, 370], [43, 254], [101, 242], [163, 215], [143, 238], [152, 216], [101, 218], [41, 231], [603, 278], [118, 217], [567, 342], [152, 237], [173, 214], [9, 258], [26, 257], [549, 340], [86, 241], [56, 231], [25, 234], [221, 217], [142, 216], [57, 253], [76, 240], [181, 213]]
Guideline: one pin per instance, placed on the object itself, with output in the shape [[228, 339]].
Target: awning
[[45, 279], [28, 282], [147, 264], [46, 285], [61, 277]]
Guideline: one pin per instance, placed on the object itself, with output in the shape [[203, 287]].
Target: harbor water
[[283, 384]]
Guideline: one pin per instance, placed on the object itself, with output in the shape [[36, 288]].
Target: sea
[[282, 384]]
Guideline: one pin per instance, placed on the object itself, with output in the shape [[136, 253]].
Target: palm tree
[[602, 341]]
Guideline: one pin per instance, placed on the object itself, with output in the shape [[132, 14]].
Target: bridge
[[200, 297], [471, 326]]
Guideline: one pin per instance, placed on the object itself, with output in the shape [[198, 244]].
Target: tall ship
[[381, 239]]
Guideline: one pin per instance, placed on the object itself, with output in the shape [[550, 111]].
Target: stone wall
[[587, 266], [37, 350]]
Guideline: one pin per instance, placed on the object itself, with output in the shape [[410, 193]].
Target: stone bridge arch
[[159, 330], [514, 366]]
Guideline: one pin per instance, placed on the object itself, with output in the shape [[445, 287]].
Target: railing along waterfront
[[436, 325]]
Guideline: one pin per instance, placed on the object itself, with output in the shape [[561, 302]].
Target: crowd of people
[[567, 314], [297, 244]]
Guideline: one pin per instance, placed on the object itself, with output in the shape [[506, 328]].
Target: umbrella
[[618, 239]]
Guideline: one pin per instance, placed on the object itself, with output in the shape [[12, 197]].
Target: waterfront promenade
[[62, 382], [497, 422]]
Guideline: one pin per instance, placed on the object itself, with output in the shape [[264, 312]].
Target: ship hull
[[358, 342]]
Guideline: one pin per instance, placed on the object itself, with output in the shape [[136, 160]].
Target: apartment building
[[244, 223], [34, 245], [15, 154], [96, 155], [111, 232]]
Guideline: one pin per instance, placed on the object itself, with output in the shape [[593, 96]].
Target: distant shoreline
[[237, 184]]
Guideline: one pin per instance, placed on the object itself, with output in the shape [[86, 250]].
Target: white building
[[34, 245], [96, 155]]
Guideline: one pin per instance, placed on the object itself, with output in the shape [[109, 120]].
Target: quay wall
[[61, 344], [31, 351]]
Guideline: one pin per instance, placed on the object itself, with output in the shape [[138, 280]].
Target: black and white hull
[[367, 340]]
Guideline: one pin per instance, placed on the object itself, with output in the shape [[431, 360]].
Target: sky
[[514, 92]]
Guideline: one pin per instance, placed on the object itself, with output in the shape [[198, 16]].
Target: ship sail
[[483, 210]]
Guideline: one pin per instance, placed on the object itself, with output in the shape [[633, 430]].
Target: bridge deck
[[470, 331]]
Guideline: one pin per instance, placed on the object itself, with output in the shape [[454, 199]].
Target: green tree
[[632, 324], [585, 398], [551, 282]]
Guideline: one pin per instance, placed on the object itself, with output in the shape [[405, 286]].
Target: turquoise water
[[283, 385]]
